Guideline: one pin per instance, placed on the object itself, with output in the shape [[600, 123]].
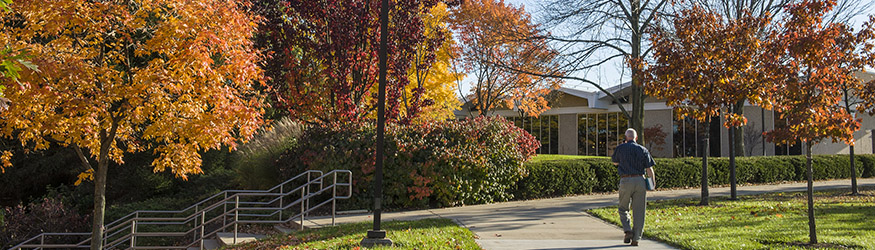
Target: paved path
[[560, 223]]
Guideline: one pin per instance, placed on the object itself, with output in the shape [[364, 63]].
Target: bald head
[[631, 135]]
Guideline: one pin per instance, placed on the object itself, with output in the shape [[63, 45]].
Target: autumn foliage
[[507, 54], [816, 63], [174, 76], [325, 58], [119, 77], [813, 66], [437, 80], [707, 64]]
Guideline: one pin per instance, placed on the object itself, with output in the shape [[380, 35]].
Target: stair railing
[[224, 211]]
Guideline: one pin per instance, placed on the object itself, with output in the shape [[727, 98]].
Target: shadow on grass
[[777, 220], [406, 234], [806, 245]]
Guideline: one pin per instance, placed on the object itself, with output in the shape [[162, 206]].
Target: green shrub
[[606, 174], [551, 178], [683, 172], [117, 211], [433, 164], [568, 177], [33, 171], [866, 165]]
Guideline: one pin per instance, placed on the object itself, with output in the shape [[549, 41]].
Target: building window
[[544, 128], [554, 134], [689, 137], [600, 134]]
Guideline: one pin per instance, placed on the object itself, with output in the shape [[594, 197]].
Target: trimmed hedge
[[567, 177]]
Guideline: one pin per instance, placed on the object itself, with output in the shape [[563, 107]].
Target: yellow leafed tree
[[117, 77], [439, 80]]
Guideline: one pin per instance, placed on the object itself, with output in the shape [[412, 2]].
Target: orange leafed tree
[[816, 60], [859, 94], [118, 77], [707, 65], [499, 49]]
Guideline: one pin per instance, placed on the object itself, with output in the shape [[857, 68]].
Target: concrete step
[[209, 244], [228, 238], [283, 229]]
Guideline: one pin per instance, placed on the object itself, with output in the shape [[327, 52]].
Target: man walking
[[632, 161]]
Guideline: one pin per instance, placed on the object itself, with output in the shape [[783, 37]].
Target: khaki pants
[[633, 190]]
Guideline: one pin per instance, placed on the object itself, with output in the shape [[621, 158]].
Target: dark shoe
[[628, 237], [634, 243]]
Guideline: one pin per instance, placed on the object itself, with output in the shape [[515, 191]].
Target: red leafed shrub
[[50, 215], [433, 164]]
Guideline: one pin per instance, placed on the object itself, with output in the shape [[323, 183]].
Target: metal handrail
[[221, 218]]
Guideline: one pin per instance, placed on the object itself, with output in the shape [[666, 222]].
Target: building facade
[[590, 123]]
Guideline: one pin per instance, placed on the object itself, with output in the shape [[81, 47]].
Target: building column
[[770, 125], [568, 134], [663, 118]]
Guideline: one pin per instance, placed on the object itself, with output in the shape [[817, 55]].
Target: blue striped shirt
[[632, 158]]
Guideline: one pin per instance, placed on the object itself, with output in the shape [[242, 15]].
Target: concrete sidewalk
[[560, 223]]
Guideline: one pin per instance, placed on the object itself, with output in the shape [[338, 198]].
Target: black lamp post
[[377, 237]]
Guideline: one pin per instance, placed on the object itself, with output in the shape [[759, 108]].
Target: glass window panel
[[612, 140], [554, 134], [689, 137], [602, 134], [592, 134], [795, 149], [598, 124], [624, 124], [543, 134], [715, 125], [536, 131], [677, 137], [581, 134]]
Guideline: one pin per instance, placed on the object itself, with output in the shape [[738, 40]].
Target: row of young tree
[[802, 65], [706, 58]]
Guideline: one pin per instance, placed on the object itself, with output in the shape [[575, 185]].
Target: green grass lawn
[[769, 221], [538, 158], [421, 234]]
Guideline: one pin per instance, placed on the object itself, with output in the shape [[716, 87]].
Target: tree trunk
[[704, 201], [812, 230], [106, 140], [99, 203], [637, 95], [638, 110], [854, 190], [732, 182], [99, 198]]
